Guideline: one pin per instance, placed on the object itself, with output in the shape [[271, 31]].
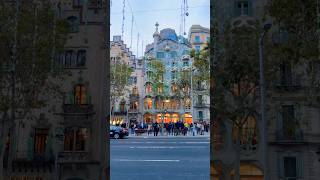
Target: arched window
[[73, 24], [81, 58], [80, 94]]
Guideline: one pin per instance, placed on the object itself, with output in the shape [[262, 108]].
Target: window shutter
[[88, 97], [48, 152], [297, 113], [279, 120], [31, 146], [280, 166], [71, 97], [250, 8], [237, 11], [299, 165]]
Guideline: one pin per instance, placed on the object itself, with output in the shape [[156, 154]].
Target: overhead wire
[[168, 9]]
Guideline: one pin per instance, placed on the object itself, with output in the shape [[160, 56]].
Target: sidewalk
[[145, 135]]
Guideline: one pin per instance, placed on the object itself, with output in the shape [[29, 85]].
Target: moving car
[[118, 132]]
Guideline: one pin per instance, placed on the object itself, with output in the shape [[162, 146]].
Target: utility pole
[[266, 28]]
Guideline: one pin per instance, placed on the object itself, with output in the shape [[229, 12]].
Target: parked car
[[118, 132]]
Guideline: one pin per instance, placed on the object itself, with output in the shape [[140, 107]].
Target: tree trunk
[[3, 138], [237, 163]]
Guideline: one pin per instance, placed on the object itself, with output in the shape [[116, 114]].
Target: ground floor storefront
[[167, 117], [117, 120]]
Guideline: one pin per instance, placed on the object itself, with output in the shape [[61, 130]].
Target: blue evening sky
[[147, 12]]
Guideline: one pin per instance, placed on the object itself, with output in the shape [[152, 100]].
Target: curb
[[167, 137]]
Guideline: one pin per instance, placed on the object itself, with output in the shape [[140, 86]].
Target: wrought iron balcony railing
[[292, 137], [78, 109], [73, 156]]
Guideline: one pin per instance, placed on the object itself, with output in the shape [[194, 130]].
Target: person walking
[[132, 128], [198, 128], [193, 129], [155, 127], [149, 128], [201, 129], [190, 129]]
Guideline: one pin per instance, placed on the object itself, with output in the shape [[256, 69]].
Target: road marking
[[165, 147], [156, 142], [146, 160]]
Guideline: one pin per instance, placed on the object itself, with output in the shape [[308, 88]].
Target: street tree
[[120, 73], [236, 80], [30, 36], [296, 41], [201, 67]]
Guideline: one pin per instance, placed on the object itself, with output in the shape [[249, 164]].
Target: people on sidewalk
[[149, 130], [155, 129]]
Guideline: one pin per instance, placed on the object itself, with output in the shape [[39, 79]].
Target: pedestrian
[[135, 127], [155, 129], [193, 127], [202, 129], [190, 128], [149, 129], [132, 128], [171, 126], [198, 128]]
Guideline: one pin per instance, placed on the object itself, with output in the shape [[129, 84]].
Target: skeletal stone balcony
[[73, 157], [32, 163], [133, 111], [77, 114], [78, 109]]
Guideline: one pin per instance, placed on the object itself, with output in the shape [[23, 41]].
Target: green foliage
[[236, 75], [298, 19], [39, 36], [119, 77], [202, 66]]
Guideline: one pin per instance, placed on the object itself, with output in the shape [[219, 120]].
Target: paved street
[[160, 158]]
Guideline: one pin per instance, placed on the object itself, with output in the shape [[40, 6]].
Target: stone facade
[[67, 139], [292, 125], [199, 38]]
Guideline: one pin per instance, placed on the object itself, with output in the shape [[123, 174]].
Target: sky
[[147, 12]]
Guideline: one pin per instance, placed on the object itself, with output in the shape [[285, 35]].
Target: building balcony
[[296, 137], [149, 93], [133, 111], [78, 109], [73, 157], [292, 84], [200, 88], [120, 113], [200, 105], [133, 96], [24, 162], [77, 114]]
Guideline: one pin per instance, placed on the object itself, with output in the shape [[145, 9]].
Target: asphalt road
[[165, 158]]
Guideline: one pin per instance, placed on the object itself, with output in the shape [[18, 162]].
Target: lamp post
[[318, 153], [266, 28]]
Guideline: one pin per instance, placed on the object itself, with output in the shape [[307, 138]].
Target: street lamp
[[318, 153], [266, 28]]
